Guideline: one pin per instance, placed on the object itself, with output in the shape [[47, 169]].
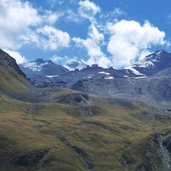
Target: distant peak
[[156, 55], [40, 60], [94, 66], [158, 52]]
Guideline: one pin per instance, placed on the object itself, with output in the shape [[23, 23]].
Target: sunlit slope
[[12, 81], [49, 136]]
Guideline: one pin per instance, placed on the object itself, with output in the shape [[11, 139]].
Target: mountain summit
[[42, 68], [154, 63]]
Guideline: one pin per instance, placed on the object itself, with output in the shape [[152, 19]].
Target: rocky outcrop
[[29, 159], [157, 152], [85, 158], [74, 99]]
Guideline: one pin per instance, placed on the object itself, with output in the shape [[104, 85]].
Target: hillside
[[68, 130], [13, 80]]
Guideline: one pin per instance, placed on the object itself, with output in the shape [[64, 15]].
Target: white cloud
[[16, 18], [55, 2], [73, 16], [117, 12], [50, 17], [88, 9], [92, 45], [52, 38], [17, 56], [19, 22], [113, 14], [129, 39], [144, 53], [95, 34]]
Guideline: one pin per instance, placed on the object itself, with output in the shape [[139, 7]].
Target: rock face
[[75, 99], [157, 87], [29, 159], [157, 152]]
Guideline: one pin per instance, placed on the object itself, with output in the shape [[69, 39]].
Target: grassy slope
[[13, 84], [47, 136], [30, 128]]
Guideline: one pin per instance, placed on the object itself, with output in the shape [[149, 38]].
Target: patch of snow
[[139, 77], [52, 76], [105, 73], [135, 71], [150, 60], [90, 76], [34, 66], [109, 78], [158, 53], [146, 64]]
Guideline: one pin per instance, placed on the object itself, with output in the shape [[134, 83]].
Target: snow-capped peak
[[70, 63], [36, 65], [75, 63], [150, 60]]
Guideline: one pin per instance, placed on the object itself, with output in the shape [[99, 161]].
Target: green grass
[[104, 137], [29, 128]]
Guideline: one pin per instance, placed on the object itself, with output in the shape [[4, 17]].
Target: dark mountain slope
[[13, 81]]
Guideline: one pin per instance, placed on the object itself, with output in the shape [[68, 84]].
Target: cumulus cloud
[[113, 15], [129, 40], [17, 56], [52, 38], [19, 22], [92, 45], [50, 17], [72, 16], [95, 34], [125, 40], [16, 18], [88, 9]]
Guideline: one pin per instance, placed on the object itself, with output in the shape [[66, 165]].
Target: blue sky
[[107, 32]]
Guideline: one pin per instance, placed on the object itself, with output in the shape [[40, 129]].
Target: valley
[[56, 128]]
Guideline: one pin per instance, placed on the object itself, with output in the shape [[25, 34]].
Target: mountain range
[[140, 80], [148, 66], [114, 120]]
